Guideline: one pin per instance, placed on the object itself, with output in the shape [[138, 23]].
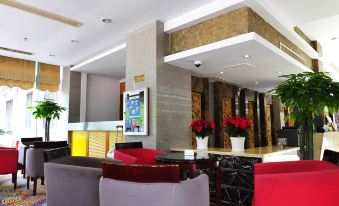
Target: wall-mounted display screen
[[136, 112]]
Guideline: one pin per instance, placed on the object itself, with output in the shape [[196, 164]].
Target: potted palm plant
[[47, 110], [202, 129], [308, 93], [237, 127]]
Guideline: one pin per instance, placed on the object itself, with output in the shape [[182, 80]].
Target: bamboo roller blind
[[21, 73], [17, 72], [48, 77]]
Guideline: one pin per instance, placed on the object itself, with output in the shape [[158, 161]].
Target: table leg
[[218, 186]]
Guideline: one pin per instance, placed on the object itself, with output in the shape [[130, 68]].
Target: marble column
[[170, 107]]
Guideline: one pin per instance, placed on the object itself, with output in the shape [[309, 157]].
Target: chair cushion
[[142, 173]]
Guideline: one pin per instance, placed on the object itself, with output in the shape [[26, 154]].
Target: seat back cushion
[[92, 162], [331, 156], [292, 167], [143, 156], [116, 192], [142, 173], [128, 145], [55, 144]]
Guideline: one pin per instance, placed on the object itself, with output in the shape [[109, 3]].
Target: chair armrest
[[292, 167], [125, 158], [302, 188]]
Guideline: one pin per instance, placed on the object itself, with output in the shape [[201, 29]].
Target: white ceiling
[[319, 19], [50, 37], [264, 66]]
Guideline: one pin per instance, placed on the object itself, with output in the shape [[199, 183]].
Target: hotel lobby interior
[[169, 103]]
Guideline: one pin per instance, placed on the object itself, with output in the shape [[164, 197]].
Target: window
[[9, 112], [29, 102]]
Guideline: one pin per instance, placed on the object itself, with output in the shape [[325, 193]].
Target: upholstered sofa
[[311, 183], [74, 181]]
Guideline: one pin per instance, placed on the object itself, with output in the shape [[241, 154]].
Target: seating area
[[169, 103]]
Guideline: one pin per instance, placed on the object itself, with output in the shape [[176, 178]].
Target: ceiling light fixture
[[221, 72], [107, 21], [247, 56], [42, 13], [74, 41], [115, 49], [279, 72], [256, 83]]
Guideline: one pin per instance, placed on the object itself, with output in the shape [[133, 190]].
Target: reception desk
[[237, 170], [322, 141], [94, 139]]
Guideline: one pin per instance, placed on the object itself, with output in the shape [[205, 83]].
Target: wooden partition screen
[[227, 112], [251, 138], [268, 122], [196, 111]]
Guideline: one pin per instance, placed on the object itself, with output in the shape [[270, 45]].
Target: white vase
[[238, 144], [202, 143]]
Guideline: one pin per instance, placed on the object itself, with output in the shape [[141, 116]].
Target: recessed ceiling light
[[107, 21], [256, 82], [52, 55], [279, 72], [221, 72], [74, 41], [334, 38], [247, 56]]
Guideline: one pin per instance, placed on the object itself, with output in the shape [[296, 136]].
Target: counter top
[[258, 152], [95, 126]]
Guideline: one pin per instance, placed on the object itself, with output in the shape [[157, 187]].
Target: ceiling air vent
[[15, 51], [239, 67], [42, 13]]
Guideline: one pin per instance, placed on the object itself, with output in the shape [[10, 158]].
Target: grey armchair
[[22, 147], [34, 166], [72, 181]]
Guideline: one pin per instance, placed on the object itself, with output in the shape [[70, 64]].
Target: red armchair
[[296, 183], [137, 155], [9, 163]]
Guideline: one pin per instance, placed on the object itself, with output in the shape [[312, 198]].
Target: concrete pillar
[[170, 107]]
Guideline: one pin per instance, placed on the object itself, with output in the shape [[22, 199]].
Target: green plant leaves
[[47, 109]]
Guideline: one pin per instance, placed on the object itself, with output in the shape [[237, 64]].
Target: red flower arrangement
[[202, 128], [237, 126]]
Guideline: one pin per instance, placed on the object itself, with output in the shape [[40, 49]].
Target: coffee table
[[192, 164]]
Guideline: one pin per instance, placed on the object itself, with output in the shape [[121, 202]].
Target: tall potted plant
[[308, 93], [237, 127], [202, 129], [47, 110]]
